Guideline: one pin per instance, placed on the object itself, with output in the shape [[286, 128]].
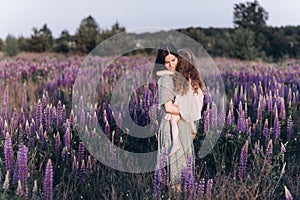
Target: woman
[[168, 58]]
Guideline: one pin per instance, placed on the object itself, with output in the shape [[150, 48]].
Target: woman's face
[[171, 62]]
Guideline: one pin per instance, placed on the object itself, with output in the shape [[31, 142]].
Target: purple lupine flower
[[82, 170], [57, 144], [222, 114], [67, 137], [48, 181], [160, 176], [89, 169], [157, 184], [282, 113], [65, 154], [230, 117], [71, 118], [31, 134], [24, 98], [243, 162], [265, 132], [189, 181], [257, 147], [283, 148], [269, 151], [39, 114], [59, 114], [288, 195], [201, 188], [276, 127], [41, 135], [269, 101], [6, 181], [8, 153], [209, 186], [80, 151], [5, 104], [289, 97], [74, 165], [64, 113], [241, 124], [48, 118], [289, 128], [22, 161], [214, 115], [22, 117], [206, 119]]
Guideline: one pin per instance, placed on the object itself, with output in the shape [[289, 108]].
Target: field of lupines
[[42, 155]]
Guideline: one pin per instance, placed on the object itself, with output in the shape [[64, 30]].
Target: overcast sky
[[18, 17]]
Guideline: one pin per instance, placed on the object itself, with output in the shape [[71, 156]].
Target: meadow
[[43, 153]]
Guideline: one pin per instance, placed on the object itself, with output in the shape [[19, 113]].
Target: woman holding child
[[180, 97]]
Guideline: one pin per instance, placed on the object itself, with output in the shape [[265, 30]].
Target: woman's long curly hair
[[187, 73]]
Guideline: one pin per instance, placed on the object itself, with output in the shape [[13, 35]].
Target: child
[[189, 98]]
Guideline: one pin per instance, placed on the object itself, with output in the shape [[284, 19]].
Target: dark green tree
[[250, 15], [65, 43], [87, 35], [115, 29], [11, 47], [243, 45], [41, 40], [1, 44]]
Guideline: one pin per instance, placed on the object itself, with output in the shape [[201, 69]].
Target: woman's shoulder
[[165, 75]]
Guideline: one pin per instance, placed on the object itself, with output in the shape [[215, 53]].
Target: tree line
[[250, 39]]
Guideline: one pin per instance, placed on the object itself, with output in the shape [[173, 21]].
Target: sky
[[18, 17]]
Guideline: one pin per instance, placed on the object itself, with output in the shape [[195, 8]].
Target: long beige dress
[[177, 162]]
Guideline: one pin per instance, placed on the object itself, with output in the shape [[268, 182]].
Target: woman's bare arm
[[171, 108]]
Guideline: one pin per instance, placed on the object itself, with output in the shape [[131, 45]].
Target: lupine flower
[[65, 154], [8, 154], [160, 176], [276, 126], [243, 162], [71, 118], [19, 191], [67, 137], [282, 114], [288, 195], [82, 170], [201, 188], [5, 103], [59, 113], [6, 181], [89, 169], [289, 128], [214, 115], [265, 132], [257, 147], [48, 181], [57, 144], [206, 120], [189, 182], [222, 114], [23, 169], [209, 186], [241, 119], [80, 151], [230, 116], [24, 98], [74, 165], [269, 151]]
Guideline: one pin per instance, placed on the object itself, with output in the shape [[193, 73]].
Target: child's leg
[[175, 134], [194, 130]]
